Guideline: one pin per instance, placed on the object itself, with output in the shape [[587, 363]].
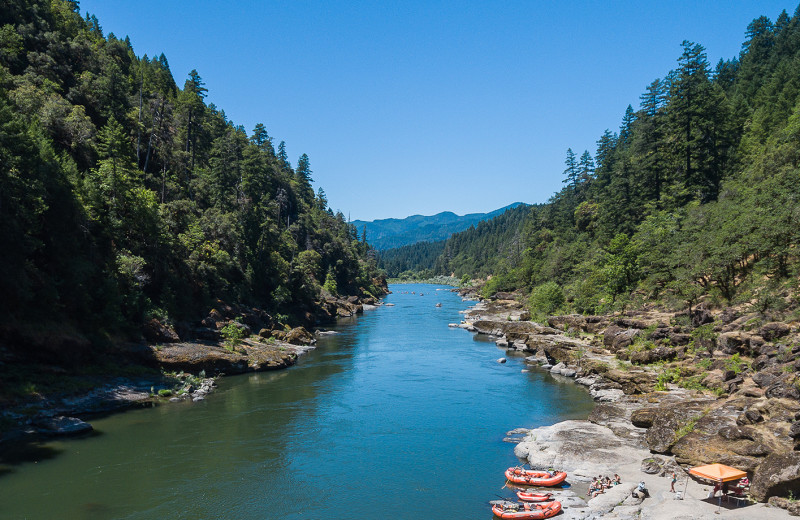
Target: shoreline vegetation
[[146, 237], [673, 390], [165, 366], [434, 280]]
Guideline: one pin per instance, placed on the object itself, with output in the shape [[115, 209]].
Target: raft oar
[[507, 481]]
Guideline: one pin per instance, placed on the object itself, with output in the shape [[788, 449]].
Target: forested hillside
[[412, 261], [477, 250], [695, 194], [124, 195], [394, 232]]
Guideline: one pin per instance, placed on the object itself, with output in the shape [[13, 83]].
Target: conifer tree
[[262, 139], [283, 158], [571, 170]]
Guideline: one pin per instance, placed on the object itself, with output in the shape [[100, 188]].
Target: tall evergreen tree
[[571, 171]]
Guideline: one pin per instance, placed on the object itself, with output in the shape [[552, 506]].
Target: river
[[395, 417]]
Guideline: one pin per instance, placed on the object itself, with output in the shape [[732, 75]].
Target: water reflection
[[396, 409]]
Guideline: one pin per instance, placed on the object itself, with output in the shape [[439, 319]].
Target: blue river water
[[395, 417]]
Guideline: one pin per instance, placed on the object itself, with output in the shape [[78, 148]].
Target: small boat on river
[[527, 511], [529, 477], [534, 497]]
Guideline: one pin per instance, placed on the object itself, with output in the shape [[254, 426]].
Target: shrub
[[768, 302], [736, 364], [498, 283], [330, 282], [667, 375], [233, 334], [685, 429], [704, 337], [546, 299], [705, 363]]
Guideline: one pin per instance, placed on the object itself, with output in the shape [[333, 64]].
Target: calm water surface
[[397, 416]]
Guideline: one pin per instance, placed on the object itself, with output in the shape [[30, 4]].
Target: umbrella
[[718, 473]]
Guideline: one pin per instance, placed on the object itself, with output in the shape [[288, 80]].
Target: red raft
[[534, 497], [529, 512], [528, 477]]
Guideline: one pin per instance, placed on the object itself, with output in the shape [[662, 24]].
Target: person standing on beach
[[672, 482]]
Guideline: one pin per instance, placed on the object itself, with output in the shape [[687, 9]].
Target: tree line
[[124, 196], [695, 195]]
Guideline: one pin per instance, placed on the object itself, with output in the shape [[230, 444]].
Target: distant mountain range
[[394, 232]]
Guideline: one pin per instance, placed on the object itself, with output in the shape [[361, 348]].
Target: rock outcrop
[[741, 408]]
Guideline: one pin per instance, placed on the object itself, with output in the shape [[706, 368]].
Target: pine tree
[[648, 143], [262, 139], [571, 171], [283, 158], [604, 160], [625, 130], [303, 174], [696, 112], [585, 168], [192, 100]]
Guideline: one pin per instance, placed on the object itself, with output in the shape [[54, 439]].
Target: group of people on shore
[[600, 483], [742, 486]]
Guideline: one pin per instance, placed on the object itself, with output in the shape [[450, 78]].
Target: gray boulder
[[62, 426], [774, 330], [777, 475]]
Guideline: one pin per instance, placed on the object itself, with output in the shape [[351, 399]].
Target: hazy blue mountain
[[394, 232]]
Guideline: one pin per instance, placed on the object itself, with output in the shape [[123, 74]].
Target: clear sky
[[417, 107]]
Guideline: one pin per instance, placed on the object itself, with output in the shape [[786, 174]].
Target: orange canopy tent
[[718, 472]]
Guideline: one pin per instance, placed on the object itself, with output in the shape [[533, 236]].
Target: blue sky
[[416, 107]]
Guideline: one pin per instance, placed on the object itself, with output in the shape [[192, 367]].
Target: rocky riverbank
[[674, 391], [171, 363]]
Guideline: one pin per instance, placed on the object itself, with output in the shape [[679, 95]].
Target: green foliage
[[697, 194], [391, 234], [233, 333], [736, 364], [484, 249], [330, 282], [641, 344], [704, 363], [768, 302], [620, 270], [667, 375], [704, 337], [502, 282], [685, 429], [114, 209], [546, 299]]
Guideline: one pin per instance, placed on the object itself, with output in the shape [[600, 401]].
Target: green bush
[[666, 376], [330, 282], [233, 334], [705, 363], [736, 364], [498, 283], [546, 299], [704, 337]]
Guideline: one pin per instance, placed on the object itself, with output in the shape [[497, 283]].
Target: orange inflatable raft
[[534, 497], [528, 477], [528, 512]]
